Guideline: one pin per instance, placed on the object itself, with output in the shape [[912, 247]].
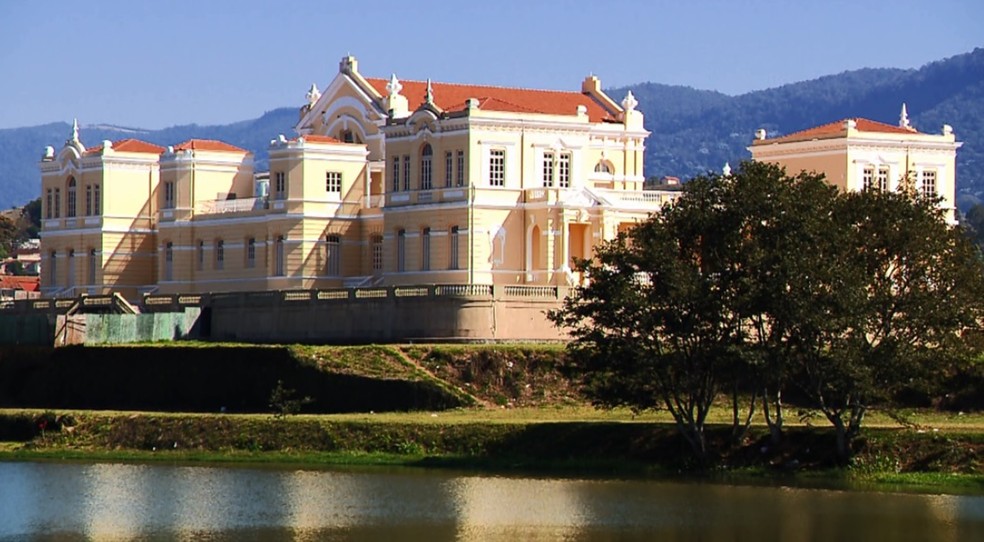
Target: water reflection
[[51, 501]]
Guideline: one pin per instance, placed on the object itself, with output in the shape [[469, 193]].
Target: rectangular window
[[461, 169], [280, 264], [70, 279], [280, 185], [169, 195], [868, 178], [96, 200], [883, 179], [377, 252], [929, 183], [448, 169], [453, 248], [333, 258], [220, 255], [333, 182], [406, 172], [70, 211], [497, 167], [548, 169], [401, 250], [48, 204], [251, 253], [58, 203], [426, 171], [425, 250], [169, 261], [88, 200], [53, 269], [564, 170], [396, 173], [93, 266], [201, 255]]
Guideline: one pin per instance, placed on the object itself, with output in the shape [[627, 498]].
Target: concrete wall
[[395, 314]]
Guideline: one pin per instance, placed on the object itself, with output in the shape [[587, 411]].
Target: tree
[[649, 326], [690, 303], [8, 237], [755, 282], [910, 288]]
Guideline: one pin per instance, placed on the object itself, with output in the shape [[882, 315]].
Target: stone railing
[[222, 206]]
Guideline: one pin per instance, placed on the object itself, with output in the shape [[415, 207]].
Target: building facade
[[386, 183], [862, 154]]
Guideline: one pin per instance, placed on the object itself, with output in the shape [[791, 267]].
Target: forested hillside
[[693, 131]]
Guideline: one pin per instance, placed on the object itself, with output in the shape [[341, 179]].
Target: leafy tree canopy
[[765, 282]]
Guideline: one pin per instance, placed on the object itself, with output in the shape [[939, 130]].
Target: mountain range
[[693, 131]]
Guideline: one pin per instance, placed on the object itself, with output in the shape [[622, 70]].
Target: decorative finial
[[947, 130], [726, 170], [629, 103], [904, 118], [394, 87], [429, 93], [75, 130], [313, 95]]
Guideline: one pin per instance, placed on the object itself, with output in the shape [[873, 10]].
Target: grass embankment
[[487, 407], [556, 440]]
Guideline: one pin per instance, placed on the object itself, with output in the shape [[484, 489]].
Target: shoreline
[[593, 449], [843, 479]]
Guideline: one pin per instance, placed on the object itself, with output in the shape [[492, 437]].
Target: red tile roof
[[452, 96], [129, 145], [207, 145], [28, 283], [838, 129]]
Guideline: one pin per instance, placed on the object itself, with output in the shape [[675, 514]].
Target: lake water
[[75, 501]]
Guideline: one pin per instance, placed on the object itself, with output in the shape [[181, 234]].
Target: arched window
[[349, 136], [251, 252], [604, 166], [426, 166], [377, 252], [70, 204], [219, 255], [280, 258]]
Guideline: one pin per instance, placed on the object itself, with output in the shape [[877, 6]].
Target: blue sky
[[157, 64]]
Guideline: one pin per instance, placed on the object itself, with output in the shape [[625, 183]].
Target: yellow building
[[98, 217], [387, 183], [861, 154]]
